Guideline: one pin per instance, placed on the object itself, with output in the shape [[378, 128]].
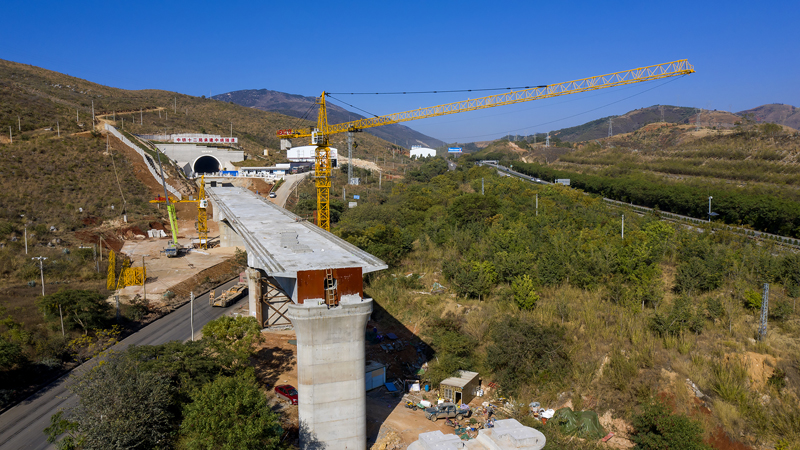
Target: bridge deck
[[281, 243]]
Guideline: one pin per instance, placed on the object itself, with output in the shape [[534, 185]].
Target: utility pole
[[175, 106], [623, 226], [19, 124], [58, 129], [349, 156], [610, 127], [697, 120], [481, 186], [92, 113], [10, 137], [709, 208], [547, 144], [41, 269], [762, 329], [191, 312], [537, 204], [380, 177], [144, 279], [141, 117]]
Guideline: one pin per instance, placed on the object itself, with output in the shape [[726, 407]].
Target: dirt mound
[[721, 441], [223, 270], [388, 440], [110, 240], [620, 428], [759, 368]]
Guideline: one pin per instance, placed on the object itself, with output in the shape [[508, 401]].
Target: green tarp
[[583, 424]]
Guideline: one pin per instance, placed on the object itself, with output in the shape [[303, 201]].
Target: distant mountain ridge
[[625, 123], [306, 107], [633, 120], [776, 113]]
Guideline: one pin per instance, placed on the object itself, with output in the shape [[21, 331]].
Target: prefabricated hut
[[461, 389]]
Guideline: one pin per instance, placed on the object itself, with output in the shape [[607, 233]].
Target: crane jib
[[324, 129], [638, 75]]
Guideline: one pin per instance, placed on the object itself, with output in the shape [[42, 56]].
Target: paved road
[[285, 189], [22, 427]]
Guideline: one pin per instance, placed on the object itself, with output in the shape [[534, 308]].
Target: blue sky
[[745, 52]]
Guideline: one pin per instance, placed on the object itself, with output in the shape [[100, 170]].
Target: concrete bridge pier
[[228, 237], [330, 364]]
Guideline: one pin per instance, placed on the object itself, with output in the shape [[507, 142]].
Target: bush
[[682, 317], [524, 293], [657, 428], [525, 351], [780, 311]]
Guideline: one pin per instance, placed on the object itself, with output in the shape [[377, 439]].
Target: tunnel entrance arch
[[206, 164]]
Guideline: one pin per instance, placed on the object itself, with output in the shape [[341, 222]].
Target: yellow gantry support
[[324, 130], [202, 214], [111, 279]]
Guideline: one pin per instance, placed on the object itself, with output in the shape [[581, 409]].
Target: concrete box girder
[[264, 228]]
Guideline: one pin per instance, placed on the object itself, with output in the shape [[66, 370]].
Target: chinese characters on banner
[[206, 140]]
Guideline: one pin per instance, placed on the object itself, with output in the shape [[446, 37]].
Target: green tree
[[120, 406], [233, 339], [230, 413], [524, 293], [657, 428], [80, 308], [188, 365], [524, 351], [10, 354]]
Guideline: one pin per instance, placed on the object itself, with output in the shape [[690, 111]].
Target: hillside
[[46, 102], [305, 107], [596, 321], [626, 123], [778, 113]]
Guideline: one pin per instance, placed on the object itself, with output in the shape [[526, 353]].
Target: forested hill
[[300, 106]]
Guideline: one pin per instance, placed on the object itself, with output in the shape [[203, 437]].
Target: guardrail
[[145, 158]]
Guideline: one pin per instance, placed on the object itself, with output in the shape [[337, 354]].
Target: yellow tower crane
[[319, 135]]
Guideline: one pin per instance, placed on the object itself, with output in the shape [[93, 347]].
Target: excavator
[[320, 135]]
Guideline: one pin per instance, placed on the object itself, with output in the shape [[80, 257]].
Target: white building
[[418, 151], [307, 153]]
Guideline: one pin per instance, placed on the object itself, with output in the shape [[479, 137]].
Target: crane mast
[[320, 135]]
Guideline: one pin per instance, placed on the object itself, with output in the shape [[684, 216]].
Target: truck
[[229, 296], [446, 410]]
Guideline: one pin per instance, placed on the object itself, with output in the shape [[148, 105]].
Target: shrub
[[524, 293], [657, 428], [682, 317], [524, 351], [752, 299], [780, 311]]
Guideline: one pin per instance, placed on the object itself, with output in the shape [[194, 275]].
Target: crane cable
[[124, 202], [580, 113], [436, 92]]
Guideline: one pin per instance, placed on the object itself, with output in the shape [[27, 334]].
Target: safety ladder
[[330, 288]]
